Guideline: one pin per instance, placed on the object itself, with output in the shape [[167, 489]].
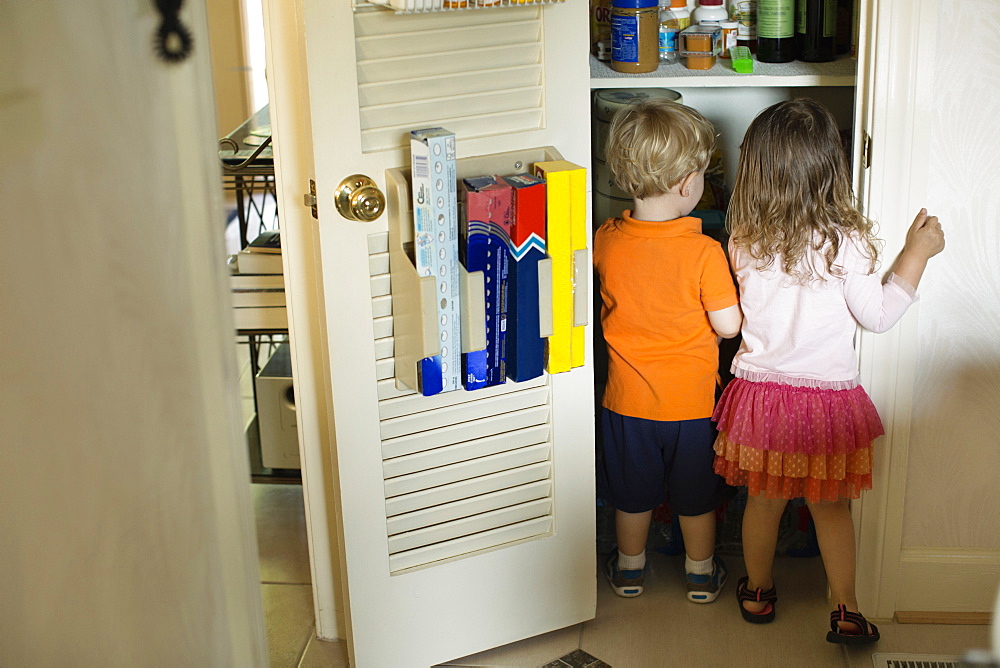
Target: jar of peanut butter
[[635, 36]]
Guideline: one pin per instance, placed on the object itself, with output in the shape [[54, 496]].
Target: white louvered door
[[466, 519]]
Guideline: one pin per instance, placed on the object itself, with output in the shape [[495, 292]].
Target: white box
[[279, 434], [434, 184]]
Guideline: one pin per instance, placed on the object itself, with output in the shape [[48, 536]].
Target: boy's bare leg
[[699, 535], [761, 521], [632, 531]]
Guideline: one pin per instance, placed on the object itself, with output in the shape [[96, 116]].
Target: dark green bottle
[[775, 31], [816, 31]]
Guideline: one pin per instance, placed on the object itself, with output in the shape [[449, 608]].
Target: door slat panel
[[463, 412], [458, 509], [395, 91], [412, 443], [389, 23], [465, 489], [470, 525], [472, 468], [417, 72], [384, 348], [378, 264], [378, 243], [383, 139], [470, 544], [387, 390], [424, 112], [395, 409], [382, 327], [381, 306], [408, 71], [454, 41], [385, 369], [466, 450], [380, 285]]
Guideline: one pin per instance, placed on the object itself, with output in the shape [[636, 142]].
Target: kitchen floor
[[659, 628]]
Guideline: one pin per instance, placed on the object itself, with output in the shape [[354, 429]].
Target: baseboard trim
[[914, 617], [947, 580]]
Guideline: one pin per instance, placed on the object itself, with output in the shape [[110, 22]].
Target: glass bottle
[[816, 31], [775, 31], [745, 12]]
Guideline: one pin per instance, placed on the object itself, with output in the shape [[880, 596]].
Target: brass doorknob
[[358, 198]]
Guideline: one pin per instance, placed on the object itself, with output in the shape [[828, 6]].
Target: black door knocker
[[173, 41]]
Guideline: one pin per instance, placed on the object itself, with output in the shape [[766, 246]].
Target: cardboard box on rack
[[484, 247], [435, 213], [525, 344]]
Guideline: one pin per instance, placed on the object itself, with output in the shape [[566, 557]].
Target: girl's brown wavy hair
[[792, 198]]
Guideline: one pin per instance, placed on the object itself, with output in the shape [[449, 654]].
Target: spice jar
[[635, 36], [700, 45], [730, 30]]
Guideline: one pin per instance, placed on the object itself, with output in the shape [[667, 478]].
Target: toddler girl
[[795, 422]]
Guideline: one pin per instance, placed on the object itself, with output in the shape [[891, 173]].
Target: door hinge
[[309, 199], [866, 153]]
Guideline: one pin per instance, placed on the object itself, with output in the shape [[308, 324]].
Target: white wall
[[952, 491], [126, 527]]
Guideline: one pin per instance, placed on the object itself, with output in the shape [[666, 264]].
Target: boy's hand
[[925, 236]]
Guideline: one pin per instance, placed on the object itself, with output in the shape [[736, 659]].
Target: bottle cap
[[710, 3], [678, 4], [729, 25], [634, 4]]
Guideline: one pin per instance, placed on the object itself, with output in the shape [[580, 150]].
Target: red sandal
[[867, 633], [758, 595]]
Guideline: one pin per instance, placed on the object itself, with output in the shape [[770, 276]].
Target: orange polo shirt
[[658, 281]]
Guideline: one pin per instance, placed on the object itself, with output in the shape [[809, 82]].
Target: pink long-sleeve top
[[803, 334]]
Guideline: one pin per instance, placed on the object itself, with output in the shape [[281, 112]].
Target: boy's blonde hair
[[654, 144], [792, 200]]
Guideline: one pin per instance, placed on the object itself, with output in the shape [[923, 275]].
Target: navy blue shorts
[[647, 461]]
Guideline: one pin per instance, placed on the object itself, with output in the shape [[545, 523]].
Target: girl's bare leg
[[835, 533]]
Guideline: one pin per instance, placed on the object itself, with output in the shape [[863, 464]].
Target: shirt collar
[[665, 228]]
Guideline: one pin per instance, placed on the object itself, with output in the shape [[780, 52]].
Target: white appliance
[[279, 438]]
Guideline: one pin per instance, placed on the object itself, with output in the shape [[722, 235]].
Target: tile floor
[[660, 628]]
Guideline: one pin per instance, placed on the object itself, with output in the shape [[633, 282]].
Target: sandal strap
[[842, 614], [759, 595]]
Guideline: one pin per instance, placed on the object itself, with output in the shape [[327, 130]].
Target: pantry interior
[[730, 100]]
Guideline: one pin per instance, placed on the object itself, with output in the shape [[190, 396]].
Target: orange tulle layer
[[792, 475]]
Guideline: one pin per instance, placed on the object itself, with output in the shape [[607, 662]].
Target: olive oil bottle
[[775, 31]]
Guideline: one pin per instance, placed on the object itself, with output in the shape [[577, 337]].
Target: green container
[[742, 59]]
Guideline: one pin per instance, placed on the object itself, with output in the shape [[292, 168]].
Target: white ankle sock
[[703, 567], [634, 562]]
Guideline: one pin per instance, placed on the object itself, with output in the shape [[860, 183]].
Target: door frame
[[288, 92], [899, 79]]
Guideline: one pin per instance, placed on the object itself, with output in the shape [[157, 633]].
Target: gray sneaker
[[625, 583], [706, 588]]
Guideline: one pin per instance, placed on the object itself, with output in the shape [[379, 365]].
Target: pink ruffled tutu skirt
[[789, 442]]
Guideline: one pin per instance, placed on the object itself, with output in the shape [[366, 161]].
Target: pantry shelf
[[841, 72]]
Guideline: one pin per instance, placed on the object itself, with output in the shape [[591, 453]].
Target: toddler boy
[[667, 292]]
